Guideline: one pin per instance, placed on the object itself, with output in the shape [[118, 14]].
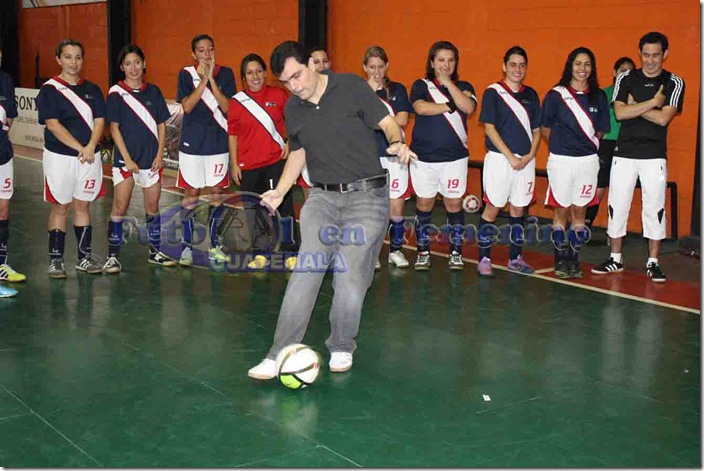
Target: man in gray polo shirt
[[330, 122]]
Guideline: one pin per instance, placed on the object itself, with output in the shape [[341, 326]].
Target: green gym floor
[[148, 368]]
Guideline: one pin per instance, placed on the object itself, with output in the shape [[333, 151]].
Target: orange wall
[[41, 29], [548, 30], [164, 29]]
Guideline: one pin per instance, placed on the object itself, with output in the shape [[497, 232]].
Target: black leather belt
[[358, 185]]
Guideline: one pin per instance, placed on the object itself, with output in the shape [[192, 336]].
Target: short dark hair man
[[330, 123], [645, 100]]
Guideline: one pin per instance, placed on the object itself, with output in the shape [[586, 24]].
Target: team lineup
[[341, 139]]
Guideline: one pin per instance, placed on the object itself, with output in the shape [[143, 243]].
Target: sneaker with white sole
[[520, 266], [8, 274], [259, 263], [112, 265], [422, 261], [264, 370], [6, 292], [484, 268], [609, 266], [455, 262], [89, 264], [340, 362], [397, 258], [655, 273], [186, 259], [160, 258], [57, 268], [216, 254]]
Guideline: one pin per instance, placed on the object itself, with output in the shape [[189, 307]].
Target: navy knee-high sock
[[516, 248], [4, 236], [558, 241], [114, 238], [84, 238], [154, 230], [423, 220], [396, 232], [57, 242], [456, 223], [485, 240]]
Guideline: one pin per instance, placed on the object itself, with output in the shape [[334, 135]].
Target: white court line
[[537, 274]]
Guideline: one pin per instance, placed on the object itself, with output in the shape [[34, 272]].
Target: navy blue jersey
[[8, 110], [52, 104], [434, 140], [495, 111], [640, 138], [200, 132], [566, 135], [397, 98], [140, 141]]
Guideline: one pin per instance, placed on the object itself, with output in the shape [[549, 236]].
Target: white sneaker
[[340, 362], [397, 258], [186, 259], [264, 370]]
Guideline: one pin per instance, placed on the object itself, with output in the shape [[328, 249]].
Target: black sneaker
[[609, 266], [574, 269], [562, 269], [655, 273]]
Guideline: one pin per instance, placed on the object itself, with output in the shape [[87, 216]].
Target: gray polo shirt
[[338, 133]]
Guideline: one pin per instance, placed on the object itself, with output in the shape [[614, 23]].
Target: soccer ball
[[471, 204], [297, 366]]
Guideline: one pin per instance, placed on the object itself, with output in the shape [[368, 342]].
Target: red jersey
[[255, 146]]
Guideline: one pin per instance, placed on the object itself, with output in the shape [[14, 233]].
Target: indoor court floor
[[148, 368]]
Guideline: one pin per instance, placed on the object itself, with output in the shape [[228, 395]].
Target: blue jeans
[[351, 226]]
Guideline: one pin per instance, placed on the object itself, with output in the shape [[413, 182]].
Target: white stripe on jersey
[[208, 98], [677, 92], [81, 106], [138, 107], [617, 85], [583, 119], [3, 119], [454, 119], [518, 110], [261, 116]]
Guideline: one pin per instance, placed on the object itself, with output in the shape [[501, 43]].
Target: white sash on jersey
[[585, 123], [81, 106], [391, 112], [260, 115], [138, 107], [208, 98], [518, 109], [3, 119], [453, 118], [306, 175]]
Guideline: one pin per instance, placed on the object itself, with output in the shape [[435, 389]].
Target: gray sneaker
[[186, 259], [89, 264], [455, 262], [520, 266], [57, 268], [422, 261]]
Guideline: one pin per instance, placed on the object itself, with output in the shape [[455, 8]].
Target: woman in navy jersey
[[137, 114], [8, 112], [442, 104], [575, 115], [73, 110], [258, 151], [395, 97]]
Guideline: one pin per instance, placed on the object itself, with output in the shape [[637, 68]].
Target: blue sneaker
[[520, 266], [6, 292]]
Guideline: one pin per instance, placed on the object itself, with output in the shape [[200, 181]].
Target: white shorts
[[398, 177], [653, 182], [7, 180], [448, 178], [66, 178], [502, 184], [145, 178], [572, 180], [200, 171]]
